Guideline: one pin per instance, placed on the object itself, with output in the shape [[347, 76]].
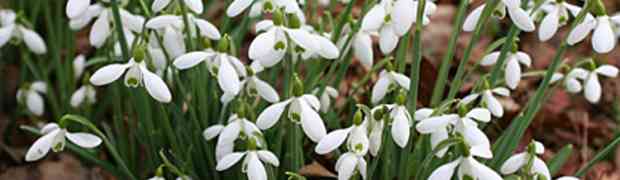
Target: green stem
[[119, 30]]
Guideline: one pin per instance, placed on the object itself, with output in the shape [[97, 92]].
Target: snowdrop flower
[[54, 139], [31, 95], [195, 5], [290, 6], [252, 164], [467, 166], [302, 109], [228, 134], [253, 85], [592, 89], [348, 163], [603, 37], [11, 29], [519, 161], [376, 121], [567, 178], [356, 137], [79, 63], [489, 99], [557, 14], [171, 27], [85, 94], [401, 122], [136, 74], [326, 97], [518, 15], [327, 49], [393, 19], [571, 80], [361, 43], [269, 47], [386, 79], [513, 67]]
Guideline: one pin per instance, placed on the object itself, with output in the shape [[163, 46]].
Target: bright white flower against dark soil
[[253, 85], [10, 29], [467, 166], [230, 133], [557, 14], [31, 96], [592, 85], [386, 79], [518, 162], [349, 163], [195, 5], [518, 15], [289, 6], [513, 71], [489, 100], [171, 27], [252, 163], [376, 129], [269, 47], [441, 127], [603, 37], [356, 137], [571, 80], [136, 74], [83, 95], [54, 138], [227, 68], [326, 98], [302, 109], [393, 19], [361, 43], [401, 122], [327, 49]]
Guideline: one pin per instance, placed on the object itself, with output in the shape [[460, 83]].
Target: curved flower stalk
[[520, 162], [31, 95], [386, 79], [557, 15], [441, 127], [54, 139], [86, 94], [269, 47], [10, 29], [195, 5], [489, 100], [603, 36], [290, 7], [468, 168], [392, 19], [517, 14], [326, 98], [513, 67], [228, 134], [302, 109], [136, 74], [253, 162]]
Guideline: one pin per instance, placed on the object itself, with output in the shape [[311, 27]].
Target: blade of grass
[[598, 157]]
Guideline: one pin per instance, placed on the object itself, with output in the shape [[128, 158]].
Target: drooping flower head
[[54, 139]]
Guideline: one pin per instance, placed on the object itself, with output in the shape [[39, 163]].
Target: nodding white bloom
[[230, 133], [269, 47], [567, 178], [401, 122], [11, 29], [519, 162], [518, 15], [348, 163], [592, 89], [489, 100], [557, 14], [603, 37], [356, 137], [442, 126], [290, 6], [252, 163], [467, 166], [375, 124], [228, 68], [326, 97], [195, 5], [31, 95], [386, 79], [171, 28], [361, 43], [327, 49], [54, 138], [85, 94], [615, 19], [79, 63], [393, 19], [252, 84], [302, 109], [513, 67], [137, 74]]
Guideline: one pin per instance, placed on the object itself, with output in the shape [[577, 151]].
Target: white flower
[[231, 132], [10, 29], [228, 67], [592, 89], [301, 109], [326, 97], [252, 164], [386, 79], [290, 6], [269, 47], [157, 178], [557, 16], [79, 63], [31, 95], [467, 166], [603, 38], [195, 5], [513, 67], [356, 137], [85, 94], [518, 15], [567, 178], [400, 125], [137, 74], [489, 100], [376, 130], [76, 8], [361, 43], [348, 163], [519, 161], [54, 138], [327, 49], [571, 81]]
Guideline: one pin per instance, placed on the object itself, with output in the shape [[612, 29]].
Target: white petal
[[573, 85], [513, 73], [472, 19], [362, 48], [79, 63], [480, 171], [212, 131], [312, 101], [502, 91], [480, 114], [100, 30], [400, 128], [375, 138], [228, 161], [380, 89], [549, 26], [173, 42], [521, 19], [312, 124], [567, 178], [445, 171], [603, 39], [328, 49], [514, 163], [158, 5], [437, 138], [76, 8], [263, 47], [230, 133], [540, 167], [34, 42], [5, 34], [161, 22], [512, 3], [524, 58], [227, 77], [207, 29], [78, 97], [255, 169], [237, 6], [493, 104], [593, 89], [347, 167], [387, 40], [156, 87], [35, 104], [401, 79], [332, 141], [490, 59], [268, 157], [49, 127], [194, 5], [39, 86], [41, 147], [304, 39], [223, 148], [266, 91], [580, 32], [435, 124], [403, 16], [190, 59], [422, 114], [607, 70], [271, 115], [374, 18], [85, 140]]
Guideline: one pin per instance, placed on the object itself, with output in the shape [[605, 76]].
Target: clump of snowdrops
[[170, 93]]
